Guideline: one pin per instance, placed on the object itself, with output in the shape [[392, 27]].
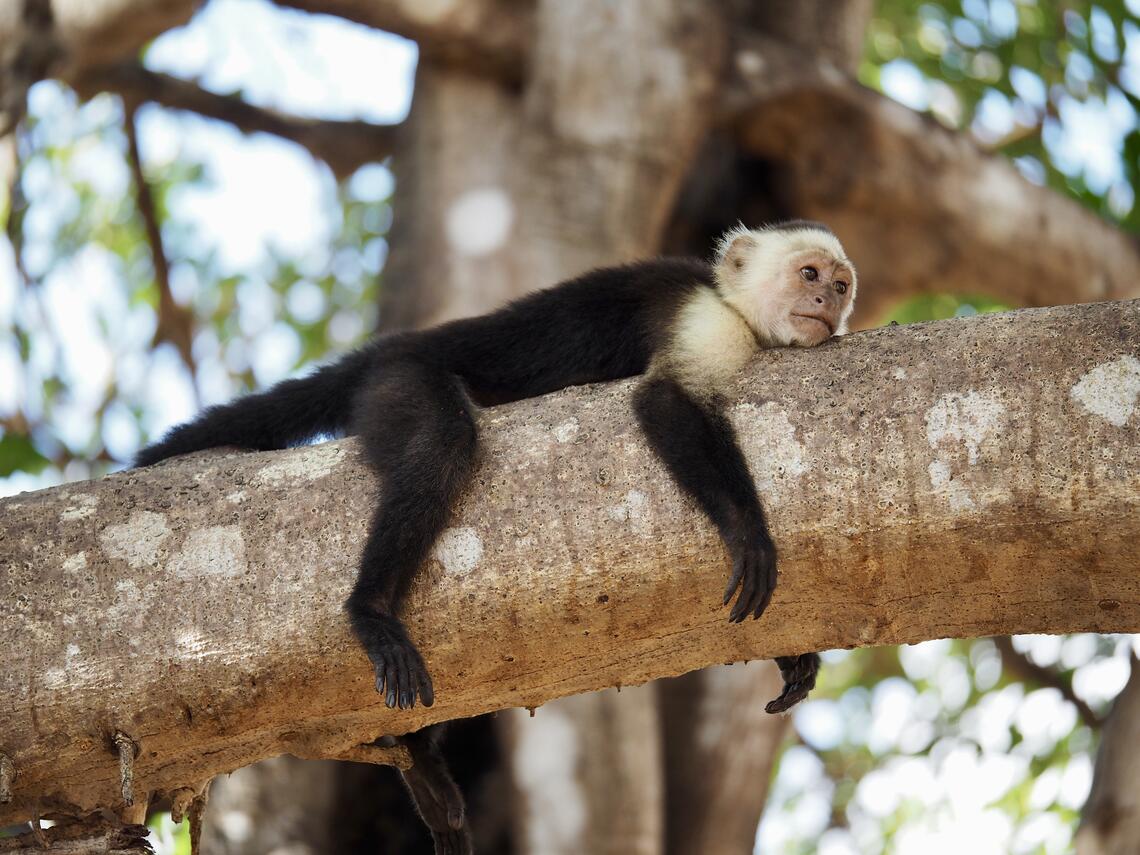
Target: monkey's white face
[[792, 286]]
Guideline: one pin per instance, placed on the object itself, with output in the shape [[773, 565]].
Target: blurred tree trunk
[[1110, 821]]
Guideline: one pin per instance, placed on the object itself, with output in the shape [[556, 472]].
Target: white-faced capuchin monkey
[[411, 397]]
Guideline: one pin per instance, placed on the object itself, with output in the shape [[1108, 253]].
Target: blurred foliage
[[83, 223], [1028, 79], [169, 838], [937, 307], [944, 704]]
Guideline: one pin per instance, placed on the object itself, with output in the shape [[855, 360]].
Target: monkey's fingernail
[[390, 699]]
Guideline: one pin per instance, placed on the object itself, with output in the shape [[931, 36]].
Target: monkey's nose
[[819, 300]]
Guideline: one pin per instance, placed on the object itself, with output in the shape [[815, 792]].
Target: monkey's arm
[[698, 446]]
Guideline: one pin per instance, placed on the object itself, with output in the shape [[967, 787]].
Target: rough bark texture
[[925, 481], [1110, 821]]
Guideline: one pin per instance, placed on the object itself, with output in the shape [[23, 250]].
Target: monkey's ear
[[736, 249]]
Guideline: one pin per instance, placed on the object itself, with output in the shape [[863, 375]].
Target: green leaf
[[18, 454]]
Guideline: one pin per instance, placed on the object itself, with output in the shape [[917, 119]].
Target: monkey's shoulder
[[708, 343]]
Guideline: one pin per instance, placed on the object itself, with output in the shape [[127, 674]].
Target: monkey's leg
[[799, 673], [419, 434], [698, 446], [436, 796]]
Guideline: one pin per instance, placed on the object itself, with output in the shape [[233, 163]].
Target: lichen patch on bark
[[1110, 390], [217, 551], [459, 550], [310, 464], [137, 541], [768, 439]]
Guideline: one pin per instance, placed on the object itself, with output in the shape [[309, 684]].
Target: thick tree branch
[[343, 145], [924, 481], [486, 37], [489, 37], [942, 214]]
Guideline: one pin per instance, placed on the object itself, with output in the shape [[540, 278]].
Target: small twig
[[175, 323], [197, 811], [343, 145], [1025, 668], [7, 778], [128, 750]]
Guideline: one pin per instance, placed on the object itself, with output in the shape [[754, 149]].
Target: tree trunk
[[878, 459], [720, 749], [1110, 821]]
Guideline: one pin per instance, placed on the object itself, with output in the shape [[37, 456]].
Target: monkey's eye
[[738, 262], [841, 287], [809, 273]]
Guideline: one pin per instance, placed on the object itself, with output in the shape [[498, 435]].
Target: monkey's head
[[792, 282]]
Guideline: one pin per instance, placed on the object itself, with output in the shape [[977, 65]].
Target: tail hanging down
[[287, 414]]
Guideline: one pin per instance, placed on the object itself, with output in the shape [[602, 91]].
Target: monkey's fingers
[[391, 682], [407, 689], [747, 592], [769, 587], [734, 579], [427, 693]]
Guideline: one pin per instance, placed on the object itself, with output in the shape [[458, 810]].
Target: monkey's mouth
[[822, 320]]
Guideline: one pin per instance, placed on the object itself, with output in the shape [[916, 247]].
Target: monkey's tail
[[290, 413]]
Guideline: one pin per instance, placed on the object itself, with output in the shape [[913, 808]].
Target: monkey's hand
[[753, 571], [436, 796], [799, 674], [400, 670]]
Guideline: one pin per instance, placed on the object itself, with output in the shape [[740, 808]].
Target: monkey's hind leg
[[799, 673], [419, 433], [434, 791]]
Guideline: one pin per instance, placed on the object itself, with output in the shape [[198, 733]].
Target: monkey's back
[[603, 325]]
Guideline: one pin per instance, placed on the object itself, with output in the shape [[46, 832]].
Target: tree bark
[[195, 607]]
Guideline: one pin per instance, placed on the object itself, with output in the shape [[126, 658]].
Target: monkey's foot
[[754, 571], [400, 670], [799, 673], [436, 796]]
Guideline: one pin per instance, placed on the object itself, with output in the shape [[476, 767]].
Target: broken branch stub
[[972, 477]]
